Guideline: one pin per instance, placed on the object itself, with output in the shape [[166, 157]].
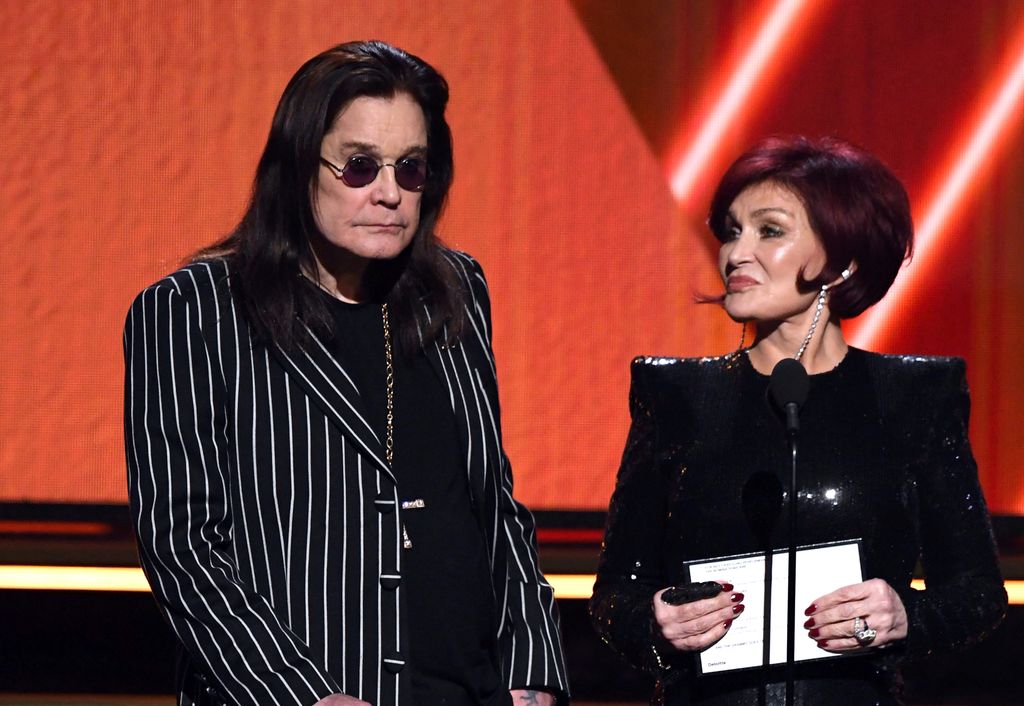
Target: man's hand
[[532, 697]]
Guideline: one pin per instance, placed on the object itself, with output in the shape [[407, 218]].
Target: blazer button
[[393, 662], [390, 581], [385, 504]]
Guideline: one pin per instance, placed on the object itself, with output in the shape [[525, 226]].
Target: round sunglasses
[[359, 171]]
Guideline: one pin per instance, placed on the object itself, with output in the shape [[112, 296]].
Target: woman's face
[[770, 242]]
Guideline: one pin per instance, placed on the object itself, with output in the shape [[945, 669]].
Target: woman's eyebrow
[[771, 209]]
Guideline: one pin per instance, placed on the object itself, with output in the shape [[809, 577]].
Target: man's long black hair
[[269, 251]]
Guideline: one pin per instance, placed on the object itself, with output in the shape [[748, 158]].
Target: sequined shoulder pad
[[652, 370], [681, 366], [917, 362], [903, 370], [681, 385]]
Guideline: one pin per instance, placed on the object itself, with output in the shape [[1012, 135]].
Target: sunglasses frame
[[339, 172]]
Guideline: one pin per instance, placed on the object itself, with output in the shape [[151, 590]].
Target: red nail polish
[[728, 624], [823, 644], [736, 597], [812, 608], [737, 609], [727, 586], [814, 633], [809, 624]]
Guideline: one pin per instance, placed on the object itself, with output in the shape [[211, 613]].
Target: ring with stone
[[864, 635]]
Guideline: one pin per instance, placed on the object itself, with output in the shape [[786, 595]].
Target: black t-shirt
[[449, 598]]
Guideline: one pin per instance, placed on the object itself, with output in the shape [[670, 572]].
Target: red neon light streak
[[968, 161], [759, 58]]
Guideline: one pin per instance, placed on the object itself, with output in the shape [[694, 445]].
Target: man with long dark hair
[[323, 505]]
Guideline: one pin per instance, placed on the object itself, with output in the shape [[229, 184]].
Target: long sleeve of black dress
[[631, 568], [964, 597]]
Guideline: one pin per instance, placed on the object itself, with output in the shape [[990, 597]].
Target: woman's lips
[[739, 283]]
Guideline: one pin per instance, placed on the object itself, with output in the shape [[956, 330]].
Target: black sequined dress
[[884, 456]]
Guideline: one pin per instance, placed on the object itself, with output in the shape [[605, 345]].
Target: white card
[[820, 570]]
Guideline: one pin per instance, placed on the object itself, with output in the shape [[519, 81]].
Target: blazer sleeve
[[631, 569], [530, 638], [532, 648], [178, 445], [964, 598]]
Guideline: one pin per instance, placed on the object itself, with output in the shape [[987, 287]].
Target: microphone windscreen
[[789, 383]]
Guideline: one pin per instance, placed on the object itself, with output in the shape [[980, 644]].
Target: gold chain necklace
[[389, 377]]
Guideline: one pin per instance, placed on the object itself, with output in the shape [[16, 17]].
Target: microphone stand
[[762, 507], [788, 388], [791, 435]]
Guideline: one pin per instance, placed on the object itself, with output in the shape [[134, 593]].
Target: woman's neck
[[825, 350]]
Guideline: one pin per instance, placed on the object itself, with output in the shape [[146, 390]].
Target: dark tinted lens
[[411, 174], [359, 171]]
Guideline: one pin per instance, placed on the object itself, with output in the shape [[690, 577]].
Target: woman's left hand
[[867, 606]]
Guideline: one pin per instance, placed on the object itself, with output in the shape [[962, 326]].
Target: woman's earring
[[822, 296], [845, 274], [743, 336]]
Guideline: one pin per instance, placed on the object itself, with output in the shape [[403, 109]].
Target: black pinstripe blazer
[[268, 521]]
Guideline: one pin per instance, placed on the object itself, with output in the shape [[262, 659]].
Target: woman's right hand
[[694, 626]]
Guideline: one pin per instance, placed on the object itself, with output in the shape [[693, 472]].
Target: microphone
[[787, 389]]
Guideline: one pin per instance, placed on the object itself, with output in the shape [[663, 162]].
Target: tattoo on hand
[[529, 697]]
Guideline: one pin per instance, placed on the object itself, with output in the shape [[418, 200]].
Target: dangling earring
[[743, 336], [822, 295]]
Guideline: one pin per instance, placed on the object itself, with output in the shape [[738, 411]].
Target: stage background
[[588, 137]]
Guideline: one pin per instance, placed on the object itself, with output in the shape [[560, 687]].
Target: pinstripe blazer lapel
[[439, 357], [458, 368], [333, 390]]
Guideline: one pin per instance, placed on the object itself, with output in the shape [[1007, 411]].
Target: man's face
[[376, 221]]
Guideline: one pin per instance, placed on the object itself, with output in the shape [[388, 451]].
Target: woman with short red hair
[[811, 232]]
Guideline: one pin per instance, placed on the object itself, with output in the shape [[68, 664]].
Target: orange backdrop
[[131, 130]]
